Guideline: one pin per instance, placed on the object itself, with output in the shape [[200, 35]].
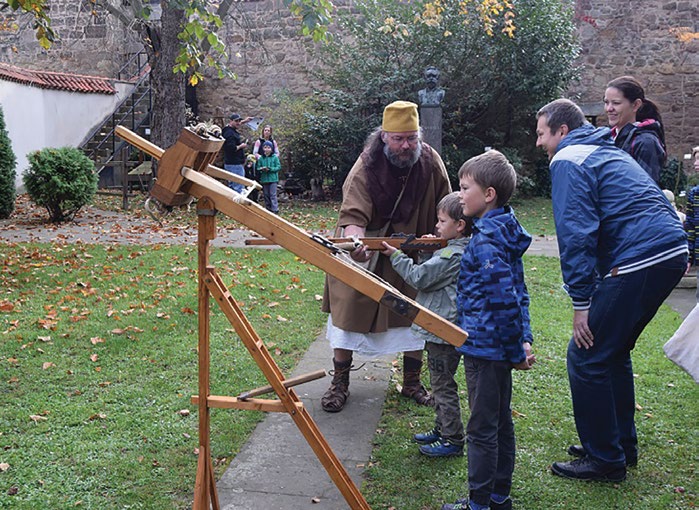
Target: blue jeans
[[238, 170], [490, 432], [601, 378]]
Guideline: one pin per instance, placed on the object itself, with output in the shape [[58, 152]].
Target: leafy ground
[[98, 362]]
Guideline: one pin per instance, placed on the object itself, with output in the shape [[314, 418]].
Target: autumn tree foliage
[[499, 62], [7, 171]]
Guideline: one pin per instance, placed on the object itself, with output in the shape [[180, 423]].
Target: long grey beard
[[395, 160]]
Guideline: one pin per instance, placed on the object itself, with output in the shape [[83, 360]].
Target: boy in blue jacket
[[493, 308], [623, 250]]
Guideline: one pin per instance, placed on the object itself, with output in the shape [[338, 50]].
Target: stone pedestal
[[431, 124]]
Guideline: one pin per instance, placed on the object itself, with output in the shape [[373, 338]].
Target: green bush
[[672, 176], [61, 180], [7, 172]]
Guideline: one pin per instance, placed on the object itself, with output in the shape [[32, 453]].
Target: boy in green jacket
[[268, 167]]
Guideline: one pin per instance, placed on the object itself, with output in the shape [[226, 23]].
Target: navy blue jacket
[[642, 140], [611, 218], [492, 298]]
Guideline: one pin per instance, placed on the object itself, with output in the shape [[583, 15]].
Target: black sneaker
[[587, 469], [578, 451]]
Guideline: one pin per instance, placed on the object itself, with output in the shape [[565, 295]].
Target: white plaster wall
[[37, 118]]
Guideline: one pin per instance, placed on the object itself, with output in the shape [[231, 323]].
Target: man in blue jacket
[[622, 249]]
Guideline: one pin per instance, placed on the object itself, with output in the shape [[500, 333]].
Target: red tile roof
[[57, 81]]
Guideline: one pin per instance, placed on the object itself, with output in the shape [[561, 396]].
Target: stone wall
[[90, 43], [637, 37], [268, 56], [623, 37]]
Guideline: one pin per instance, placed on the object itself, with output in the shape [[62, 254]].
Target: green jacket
[[268, 167], [435, 281]]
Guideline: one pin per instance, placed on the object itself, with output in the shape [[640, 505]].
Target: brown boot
[[334, 399], [412, 387]]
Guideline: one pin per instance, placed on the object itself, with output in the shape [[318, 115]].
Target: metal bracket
[[399, 305]]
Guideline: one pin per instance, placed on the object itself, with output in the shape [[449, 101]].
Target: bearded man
[[393, 187]]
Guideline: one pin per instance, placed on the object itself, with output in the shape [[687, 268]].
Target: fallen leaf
[[93, 357], [4, 466], [6, 306], [517, 414], [47, 365], [36, 418], [98, 416], [44, 338], [281, 319], [96, 340], [315, 500], [183, 412]]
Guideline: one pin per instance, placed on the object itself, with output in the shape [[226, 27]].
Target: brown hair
[[492, 170], [631, 89], [452, 207]]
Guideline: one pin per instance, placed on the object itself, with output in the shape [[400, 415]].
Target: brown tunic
[[352, 310]]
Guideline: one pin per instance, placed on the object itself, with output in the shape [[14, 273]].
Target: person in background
[[622, 251], [266, 137], [234, 149], [636, 124], [435, 281], [393, 187], [268, 167], [493, 308]]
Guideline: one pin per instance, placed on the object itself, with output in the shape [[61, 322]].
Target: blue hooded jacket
[[492, 298], [611, 218]]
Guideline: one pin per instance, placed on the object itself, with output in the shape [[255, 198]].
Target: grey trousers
[[443, 362]]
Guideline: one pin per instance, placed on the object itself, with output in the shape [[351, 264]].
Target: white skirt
[[373, 344]]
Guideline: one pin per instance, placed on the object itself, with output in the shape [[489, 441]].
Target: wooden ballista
[[185, 171]]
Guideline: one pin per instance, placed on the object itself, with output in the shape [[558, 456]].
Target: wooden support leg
[[288, 396], [205, 494]]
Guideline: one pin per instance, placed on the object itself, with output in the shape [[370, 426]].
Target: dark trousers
[[269, 190], [443, 361], [601, 378], [490, 433]]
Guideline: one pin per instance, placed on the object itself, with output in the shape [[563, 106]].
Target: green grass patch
[[667, 399], [98, 359]]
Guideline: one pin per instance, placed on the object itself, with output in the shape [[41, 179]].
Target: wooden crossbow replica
[[185, 171]]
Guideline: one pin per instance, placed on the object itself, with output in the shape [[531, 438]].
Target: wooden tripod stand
[[186, 170]]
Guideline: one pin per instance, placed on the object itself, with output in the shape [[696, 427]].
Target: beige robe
[[350, 309]]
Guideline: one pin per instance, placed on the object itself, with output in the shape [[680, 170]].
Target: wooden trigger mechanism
[[185, 172]]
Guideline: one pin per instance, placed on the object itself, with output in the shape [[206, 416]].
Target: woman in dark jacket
[[636, 124]]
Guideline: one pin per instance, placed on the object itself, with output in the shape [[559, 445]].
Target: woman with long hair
[[636, 124], [265, 137]]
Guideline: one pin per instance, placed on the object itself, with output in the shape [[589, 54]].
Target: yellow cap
[[399, 117]]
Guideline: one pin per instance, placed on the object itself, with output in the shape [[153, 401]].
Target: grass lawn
[[98, 362]]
